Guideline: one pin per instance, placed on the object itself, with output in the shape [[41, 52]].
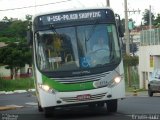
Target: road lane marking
[[32, 103]]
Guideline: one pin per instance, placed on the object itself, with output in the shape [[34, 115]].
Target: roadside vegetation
[[131, 72], [16, 53], [17, 84]]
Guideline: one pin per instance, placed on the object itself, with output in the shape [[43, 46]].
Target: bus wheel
[[150, 93], [40, 109], [112, 105], [48, 112], [101, 104], [92, 105]]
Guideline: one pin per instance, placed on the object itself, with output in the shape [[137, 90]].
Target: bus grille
[[74, 99], [80, 79]]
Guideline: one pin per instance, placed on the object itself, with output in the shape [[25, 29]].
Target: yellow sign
[[151, 61]]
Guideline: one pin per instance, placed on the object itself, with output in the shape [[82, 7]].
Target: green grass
[[134, 79], [17, 84], [132, 89]]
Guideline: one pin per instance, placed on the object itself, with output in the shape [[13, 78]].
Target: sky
[[52, 5]]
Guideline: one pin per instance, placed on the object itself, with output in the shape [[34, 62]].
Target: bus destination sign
[[72, 16]]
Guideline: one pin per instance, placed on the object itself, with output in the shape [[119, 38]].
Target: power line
[[36, 5]]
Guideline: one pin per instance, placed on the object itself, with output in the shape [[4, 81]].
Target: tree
[[13, 31], [19, 29], [17, 53], [6, 19], [15, 56], [146, 17], [28, 17], [130, 61], [157, 21], [4, 29]]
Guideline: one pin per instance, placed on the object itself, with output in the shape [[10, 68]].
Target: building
[[2, 44], [149, 55], [22, 72]]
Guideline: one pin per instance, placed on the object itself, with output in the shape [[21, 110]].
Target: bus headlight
[[117, 79], [46, 88]]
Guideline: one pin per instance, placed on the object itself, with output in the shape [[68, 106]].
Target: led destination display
[[74, 16]]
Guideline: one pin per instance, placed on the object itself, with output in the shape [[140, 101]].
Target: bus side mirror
[[120, 30], [29, 37], [119, 25]]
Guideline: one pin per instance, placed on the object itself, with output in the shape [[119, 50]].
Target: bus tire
[[40, 109], [48, 112], [150, 93], [92, 105], [101, 104], [112, 105]]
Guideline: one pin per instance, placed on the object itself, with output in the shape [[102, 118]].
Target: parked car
[[154, 83]]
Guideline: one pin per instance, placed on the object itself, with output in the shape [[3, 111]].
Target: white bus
[[77, 59]]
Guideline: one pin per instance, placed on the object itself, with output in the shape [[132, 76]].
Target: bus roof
[[67, 10]]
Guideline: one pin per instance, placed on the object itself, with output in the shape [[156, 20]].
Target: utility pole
[[108, 3], [127, 40], [126, 28], [127, 36], [150, 18]]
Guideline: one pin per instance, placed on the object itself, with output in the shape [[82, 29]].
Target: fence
[[150, 37]]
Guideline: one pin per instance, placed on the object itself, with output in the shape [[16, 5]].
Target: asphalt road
[[24, 107]]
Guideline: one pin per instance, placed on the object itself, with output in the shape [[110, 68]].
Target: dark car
[[154, 83]]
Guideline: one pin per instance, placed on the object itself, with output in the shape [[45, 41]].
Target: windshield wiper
[[92, 30], [53, 29], [91, 33]]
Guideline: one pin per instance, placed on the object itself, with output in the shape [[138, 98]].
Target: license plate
[[84, 97]]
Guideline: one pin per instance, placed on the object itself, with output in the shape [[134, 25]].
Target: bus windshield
[[77, 47]]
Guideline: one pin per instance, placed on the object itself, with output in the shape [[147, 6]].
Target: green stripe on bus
[[67, 87]]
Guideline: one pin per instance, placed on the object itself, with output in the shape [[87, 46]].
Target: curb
[[136, 93], [9, 107], [3, 108], [16, 91]]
